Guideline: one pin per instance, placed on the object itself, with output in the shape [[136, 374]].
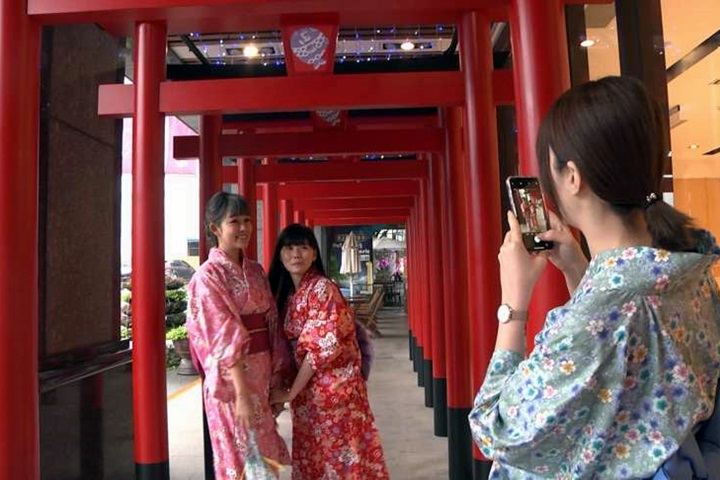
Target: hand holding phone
[[528, 205]]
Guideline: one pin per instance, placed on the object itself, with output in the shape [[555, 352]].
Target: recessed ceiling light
[[694, 146], [587, 43], [407, 46], [251, 51]]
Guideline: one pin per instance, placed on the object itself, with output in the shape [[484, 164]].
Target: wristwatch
[[506, 313]]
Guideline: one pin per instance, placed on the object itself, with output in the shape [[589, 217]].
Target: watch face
[[504, 313]]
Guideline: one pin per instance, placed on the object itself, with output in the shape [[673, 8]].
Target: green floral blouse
[[619, 376]]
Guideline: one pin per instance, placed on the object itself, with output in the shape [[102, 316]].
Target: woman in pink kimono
[[233, 332], [334, 434]]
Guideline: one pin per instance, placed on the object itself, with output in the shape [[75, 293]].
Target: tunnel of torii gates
[[448, 197]]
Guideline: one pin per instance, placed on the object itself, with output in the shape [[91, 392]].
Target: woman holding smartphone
[[622, 381]]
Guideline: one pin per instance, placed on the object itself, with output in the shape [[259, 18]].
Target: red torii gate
[[539, 77]]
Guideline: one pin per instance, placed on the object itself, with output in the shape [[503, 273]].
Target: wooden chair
[[366, 313]]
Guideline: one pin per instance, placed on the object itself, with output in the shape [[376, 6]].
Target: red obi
[[256, 326]]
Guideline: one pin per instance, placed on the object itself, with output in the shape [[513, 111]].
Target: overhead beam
[[360, 123], [369, 189], [290, 94], [374, 213], [183, 16], [332, 171], [336, 222], [353, 204], [320, 143]]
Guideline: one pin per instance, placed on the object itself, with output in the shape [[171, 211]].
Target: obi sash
[[256, 326]]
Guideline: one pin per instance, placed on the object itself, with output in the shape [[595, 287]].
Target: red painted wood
[[148, 257], [482, 187], [340, 204], [358, 123], [210, 171], [270, 222], [299, 216], [286, 213], [302, 93], [339, 221], [503, 85], [388, 188], [299, 174], [19, 109], [425, 280], [541, 75], [457, 332], [378, 212], [184, 16], [247, 188], [319, 143], [436, 266]]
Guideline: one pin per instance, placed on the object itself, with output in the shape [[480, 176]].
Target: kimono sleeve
[[328, 323], [573, 378], [218, 318]]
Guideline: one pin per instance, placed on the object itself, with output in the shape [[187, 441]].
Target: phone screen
[[529, 207]]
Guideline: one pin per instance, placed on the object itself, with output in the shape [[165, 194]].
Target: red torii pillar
[[425, 291], [149, 383], [482, 197], [457, 313], [437, 292], [541, 75], [299, 216], [247, 189], [270, 220], [414, 313], [210, 165], [19, 110], [286, 212]]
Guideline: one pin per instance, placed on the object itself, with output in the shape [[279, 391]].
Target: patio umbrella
[[350, 263]]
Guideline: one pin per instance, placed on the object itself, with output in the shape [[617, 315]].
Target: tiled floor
[[411, 450]]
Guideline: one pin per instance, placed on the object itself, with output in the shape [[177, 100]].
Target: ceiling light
[[251, 51], [694, 146], [407, 46], [587, 43]]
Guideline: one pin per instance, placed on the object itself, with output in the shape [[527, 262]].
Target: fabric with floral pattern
[[619, 377], [219, 293], [334, 434]]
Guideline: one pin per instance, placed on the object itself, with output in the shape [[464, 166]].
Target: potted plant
[[178, 336]]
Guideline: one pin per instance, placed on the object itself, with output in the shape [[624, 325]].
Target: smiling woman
[[234, 337]]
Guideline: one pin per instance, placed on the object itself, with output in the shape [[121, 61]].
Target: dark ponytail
[[670, 228], [615, 133]]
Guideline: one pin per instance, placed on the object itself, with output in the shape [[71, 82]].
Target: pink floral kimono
[[232, 318]]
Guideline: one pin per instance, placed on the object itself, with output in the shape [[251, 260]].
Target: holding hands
[[520, 269]]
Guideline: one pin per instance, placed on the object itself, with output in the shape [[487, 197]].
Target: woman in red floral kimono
[[235, 339], [334, 434]]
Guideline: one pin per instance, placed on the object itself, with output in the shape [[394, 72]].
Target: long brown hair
[[615, 133]]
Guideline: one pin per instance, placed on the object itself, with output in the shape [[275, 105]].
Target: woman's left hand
[[279, 396], [519, 269]]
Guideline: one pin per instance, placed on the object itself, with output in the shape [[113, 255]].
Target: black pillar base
[[152, 471], [440, 407], [460, 457], [420, 366], [428, 382], [411, 345], [481, 470], [414, 354]]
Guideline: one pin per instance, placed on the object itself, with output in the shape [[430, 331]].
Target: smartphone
[[529, 207]]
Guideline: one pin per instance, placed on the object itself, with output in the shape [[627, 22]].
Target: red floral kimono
[[232, 317], [334, 434]]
